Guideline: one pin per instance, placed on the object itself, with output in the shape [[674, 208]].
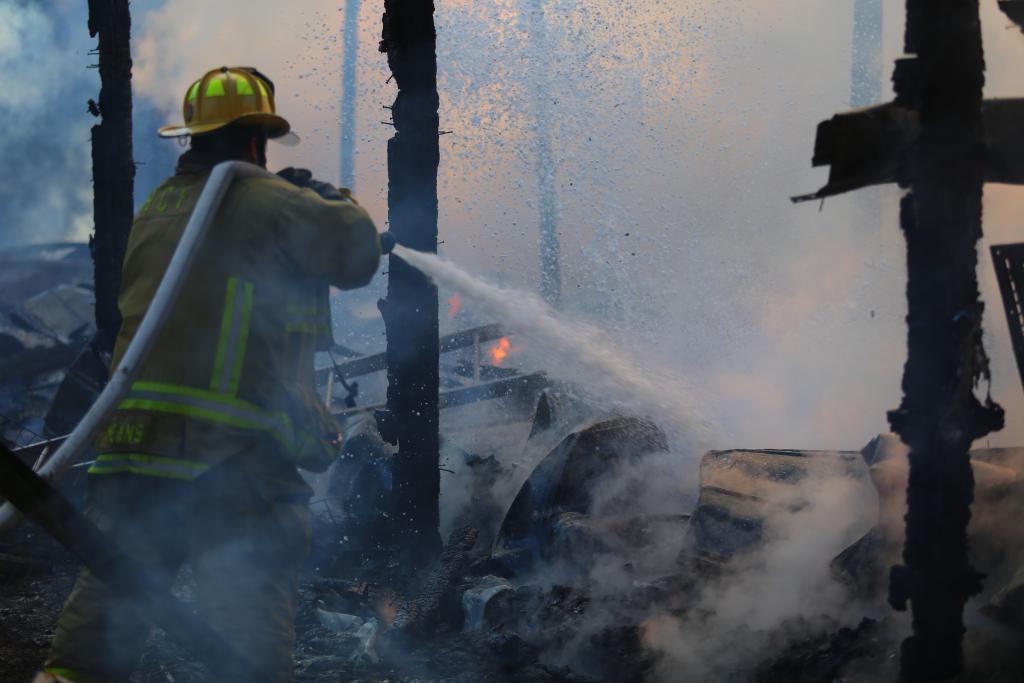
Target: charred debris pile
[[578, 548], [565, 560], [47, 362]]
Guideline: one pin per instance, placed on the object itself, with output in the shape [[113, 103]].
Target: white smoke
[[44, 183], [299, 47], [679, 133], [774, 594]]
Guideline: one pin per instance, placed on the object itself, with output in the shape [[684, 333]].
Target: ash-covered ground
[[581, 548]]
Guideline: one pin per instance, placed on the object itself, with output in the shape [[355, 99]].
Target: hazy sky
[[680, 129]]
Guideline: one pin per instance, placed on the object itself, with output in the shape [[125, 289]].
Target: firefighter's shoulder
[[272, 194], [334, 238]]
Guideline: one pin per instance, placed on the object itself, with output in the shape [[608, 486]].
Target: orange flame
[[499, 352], [454, 306]]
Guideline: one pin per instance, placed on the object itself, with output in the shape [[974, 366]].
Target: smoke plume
[[783, 591], [44, 180]]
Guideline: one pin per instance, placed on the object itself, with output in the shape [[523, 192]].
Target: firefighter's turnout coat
[[198, 462], [233, 368]]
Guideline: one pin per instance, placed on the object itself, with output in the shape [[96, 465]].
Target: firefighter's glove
[[302, 177], [387, 242], [296, 176]]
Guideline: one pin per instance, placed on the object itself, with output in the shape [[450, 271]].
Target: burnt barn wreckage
[[558, 565], [487, 520]]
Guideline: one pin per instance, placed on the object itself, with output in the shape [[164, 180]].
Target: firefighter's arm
[[331, 239]]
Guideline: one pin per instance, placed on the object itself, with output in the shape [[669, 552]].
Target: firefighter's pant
[[246, 538]]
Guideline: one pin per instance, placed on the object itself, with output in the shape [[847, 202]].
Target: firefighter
[[199, 463]]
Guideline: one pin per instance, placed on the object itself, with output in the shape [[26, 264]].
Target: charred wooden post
[[410, 310], [942, 142], [113, 167], [940, 415], [1008, 260]]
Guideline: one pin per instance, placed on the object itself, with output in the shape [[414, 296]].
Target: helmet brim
[[277, 128], [289, 139]]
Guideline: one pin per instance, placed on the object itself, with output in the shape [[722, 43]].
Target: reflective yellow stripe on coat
[[151, 465], [200, 404], [218, 404], [234, 335]]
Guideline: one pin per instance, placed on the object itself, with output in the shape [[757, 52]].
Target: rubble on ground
[[560, 563], [46, 320]]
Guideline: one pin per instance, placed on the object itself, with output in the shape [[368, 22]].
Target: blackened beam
[[32, 451], [1015, 10], [113, 165], [416, 616], [357, 367], [1008, 260], [871, 146], [485, 391], [45, 506], [940, 415]]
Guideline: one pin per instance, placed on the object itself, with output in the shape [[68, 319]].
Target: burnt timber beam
[[933, 141], [872, 146], [940, 416], [365, 365], [113, 166], [1015, 10], [415, 616], [45, 506], [485, 391], [34, 451], [1008, 260], [410, 310]]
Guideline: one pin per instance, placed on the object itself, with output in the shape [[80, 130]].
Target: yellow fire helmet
[[231, 95]]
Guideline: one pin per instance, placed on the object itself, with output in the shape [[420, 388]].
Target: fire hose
[[123, 376]]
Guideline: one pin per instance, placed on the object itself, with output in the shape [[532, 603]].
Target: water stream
[[577, 348]]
